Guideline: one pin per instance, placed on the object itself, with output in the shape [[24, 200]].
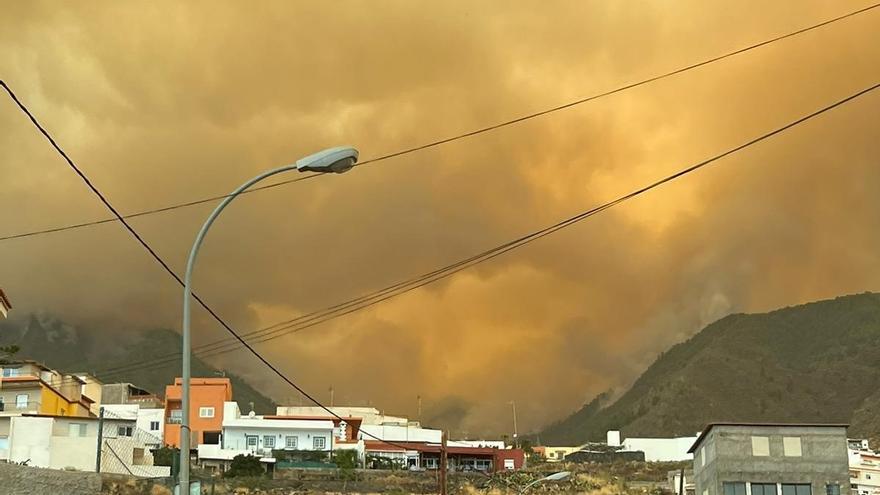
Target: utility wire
[[162, 262], [457, 137], [306, 321]]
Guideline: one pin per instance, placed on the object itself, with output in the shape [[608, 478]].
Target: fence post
[[100, 439], [443, 463]]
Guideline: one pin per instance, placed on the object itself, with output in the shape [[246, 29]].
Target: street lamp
[[553, 477], [336, 160]]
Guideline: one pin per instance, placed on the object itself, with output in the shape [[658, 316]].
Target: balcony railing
[[19, 406]]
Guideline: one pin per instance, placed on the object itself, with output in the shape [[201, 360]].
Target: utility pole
[[331, 395], [515, 432], [100, 439], [443, 467], [419, 415]]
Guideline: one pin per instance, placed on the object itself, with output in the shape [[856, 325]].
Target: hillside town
[[75, 422]]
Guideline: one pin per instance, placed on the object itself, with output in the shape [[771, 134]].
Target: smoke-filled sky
[[165, 102]]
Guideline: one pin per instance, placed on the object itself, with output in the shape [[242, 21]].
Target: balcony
[[20, 407]]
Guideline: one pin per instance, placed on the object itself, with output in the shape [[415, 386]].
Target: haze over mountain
[[818, 362], [75, 349]]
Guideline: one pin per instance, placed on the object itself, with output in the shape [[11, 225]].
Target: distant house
[[263, 436], [557, 454], [30, 387], [127, 393], [771, 459], [62, 442], [148, 421], [864, 468], [207, 396]]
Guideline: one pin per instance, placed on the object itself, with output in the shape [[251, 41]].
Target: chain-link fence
[[126, 448]]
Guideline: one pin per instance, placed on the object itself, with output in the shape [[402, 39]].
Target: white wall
[[29, 439], [401, 434], [147, 416], [662, 449], [236, 431], [142, 418]]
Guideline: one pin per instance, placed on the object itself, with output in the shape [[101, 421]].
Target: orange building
[[207, 396]]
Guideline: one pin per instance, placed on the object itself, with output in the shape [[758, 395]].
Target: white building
[[148, 420], [656, 449], [64, 442], [259, 436], [864, 468], [394, 433]]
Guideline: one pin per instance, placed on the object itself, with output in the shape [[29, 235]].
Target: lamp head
[[332, 160]]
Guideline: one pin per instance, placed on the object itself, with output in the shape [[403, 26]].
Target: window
[[432, 463], [8, 372], [154, 426], [737, 488], [702, 453], [77, 429], [867, 476], [124, 431], [21, 401], [319, 443], [290, 443], [832, 489], [760, 446], [251, 441], [791, 446], [176, 417], [269, 441], [483, 464], [764, 489], [206, 412], [799, 489]]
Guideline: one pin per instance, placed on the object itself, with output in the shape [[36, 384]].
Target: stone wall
[[23, 480]]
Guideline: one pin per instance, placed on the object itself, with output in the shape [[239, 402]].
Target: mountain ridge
[[814, 362]]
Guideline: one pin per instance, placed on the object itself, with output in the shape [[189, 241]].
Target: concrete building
[[60, 442], [30, 387], [771, 459], [207, 396], [126, 393], [864, 468]]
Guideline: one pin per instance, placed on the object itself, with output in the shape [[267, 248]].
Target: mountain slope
[[818, 362], [71, 349]]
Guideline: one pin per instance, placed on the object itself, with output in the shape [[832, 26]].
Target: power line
[[159, 259], [306, 321], [457, 137]]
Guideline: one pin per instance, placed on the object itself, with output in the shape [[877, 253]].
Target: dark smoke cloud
[[163, 102]]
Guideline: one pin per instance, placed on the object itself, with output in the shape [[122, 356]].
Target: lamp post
[[335, 160]]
